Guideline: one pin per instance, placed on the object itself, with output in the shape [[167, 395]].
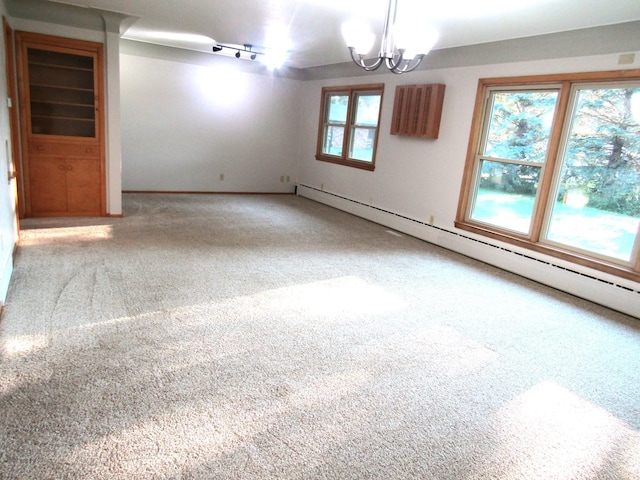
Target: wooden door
[[61, 99], [14, 123]]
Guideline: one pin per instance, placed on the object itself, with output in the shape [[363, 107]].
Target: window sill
[[370, 166], [579, 259]]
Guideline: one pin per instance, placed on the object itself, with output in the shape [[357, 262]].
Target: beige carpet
[[271, 337]]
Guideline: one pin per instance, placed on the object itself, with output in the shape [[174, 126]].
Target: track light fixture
[[246, 48]]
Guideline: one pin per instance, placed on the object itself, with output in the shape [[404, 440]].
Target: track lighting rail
[[247, 49]]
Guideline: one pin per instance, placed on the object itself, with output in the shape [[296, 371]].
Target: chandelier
[[400, 50]]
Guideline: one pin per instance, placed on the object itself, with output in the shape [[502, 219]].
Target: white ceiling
[[313, 26]]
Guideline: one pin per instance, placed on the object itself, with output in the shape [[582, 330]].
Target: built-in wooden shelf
[[62, 93], [62, 103]]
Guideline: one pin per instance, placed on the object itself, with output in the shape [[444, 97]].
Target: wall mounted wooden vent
[[417, 110]]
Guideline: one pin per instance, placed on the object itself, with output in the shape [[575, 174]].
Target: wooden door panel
[[48, 185], [84, 187]]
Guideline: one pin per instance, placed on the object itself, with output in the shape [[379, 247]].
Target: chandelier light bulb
[[358, 36]]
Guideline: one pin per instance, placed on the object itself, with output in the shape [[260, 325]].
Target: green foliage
[[509, 178], [520, 125], [602, 159], [602, 155]]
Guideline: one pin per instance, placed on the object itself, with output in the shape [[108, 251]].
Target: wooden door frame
[[15, 162]]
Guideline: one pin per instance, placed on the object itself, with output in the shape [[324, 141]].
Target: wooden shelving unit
[[62, 95], [61, 102]]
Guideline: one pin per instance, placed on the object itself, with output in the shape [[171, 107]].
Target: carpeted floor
[[271, 337]]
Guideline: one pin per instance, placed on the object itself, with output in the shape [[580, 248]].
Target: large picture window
[[348, 131], [554, 165]]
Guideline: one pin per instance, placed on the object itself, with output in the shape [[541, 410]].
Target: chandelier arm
[[409, 66], [394, 62], [359, 60]]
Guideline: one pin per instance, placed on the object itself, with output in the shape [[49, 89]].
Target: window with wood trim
[[417, 110], [554, 165], [349, 120]]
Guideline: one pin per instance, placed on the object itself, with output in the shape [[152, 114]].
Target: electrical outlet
[[626, 59], [221, 176], [431, 219], [322, 187], [288, 178], [282, 178]]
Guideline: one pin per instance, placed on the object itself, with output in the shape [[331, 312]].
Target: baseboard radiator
[[610, 291]]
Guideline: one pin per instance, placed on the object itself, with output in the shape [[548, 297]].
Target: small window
[[348, 131]]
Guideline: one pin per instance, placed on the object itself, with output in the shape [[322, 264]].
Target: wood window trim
[[350, 91], [532, 243]]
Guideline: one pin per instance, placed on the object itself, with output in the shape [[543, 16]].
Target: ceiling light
[[276, 46], [274, 59], [246, 48], [400, 50]]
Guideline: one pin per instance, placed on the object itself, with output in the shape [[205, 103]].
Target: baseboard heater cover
[[462, 243]]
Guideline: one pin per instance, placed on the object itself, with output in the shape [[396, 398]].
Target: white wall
[[419, 178], [186, 124], [8, 227]]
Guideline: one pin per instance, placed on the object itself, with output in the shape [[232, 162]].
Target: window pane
[[333, 140], [361, 144], [367, 109], [519, 125], [597, 206], [506, 195], [337, 108]]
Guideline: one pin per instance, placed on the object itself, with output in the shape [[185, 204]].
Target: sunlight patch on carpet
[[344, 295], [46, 236], [549, 431], [22, 344]]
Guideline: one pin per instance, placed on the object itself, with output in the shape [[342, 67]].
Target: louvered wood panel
[[396, 123], [417, 110]]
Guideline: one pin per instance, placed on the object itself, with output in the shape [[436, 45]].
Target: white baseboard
[[6, 269], [613, 292]]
